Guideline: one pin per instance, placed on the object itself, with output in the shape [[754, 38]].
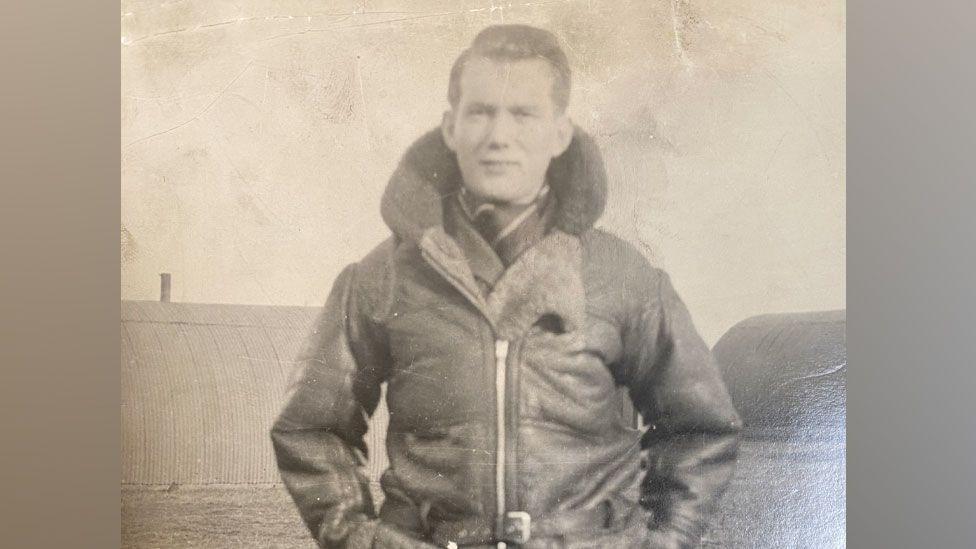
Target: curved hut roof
[[201, 386]]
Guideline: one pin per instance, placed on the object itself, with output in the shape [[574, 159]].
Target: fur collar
[[428, 172]]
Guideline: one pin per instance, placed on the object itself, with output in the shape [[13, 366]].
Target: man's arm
[[692, 430], [318, 437]]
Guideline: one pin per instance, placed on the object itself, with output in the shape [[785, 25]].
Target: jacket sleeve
[[318, 437], [692, 430]]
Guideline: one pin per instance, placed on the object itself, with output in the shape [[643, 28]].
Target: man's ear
[[564, 135], [447, 129]]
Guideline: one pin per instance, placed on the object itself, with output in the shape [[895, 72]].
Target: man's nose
[[502, 130]]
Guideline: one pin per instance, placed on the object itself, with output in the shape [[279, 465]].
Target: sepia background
[[257, 138]]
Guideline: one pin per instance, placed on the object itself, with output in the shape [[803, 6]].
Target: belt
[[516, 528]]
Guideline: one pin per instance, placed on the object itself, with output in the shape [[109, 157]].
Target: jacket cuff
[[666, 538], [373, 534], [360, 537]]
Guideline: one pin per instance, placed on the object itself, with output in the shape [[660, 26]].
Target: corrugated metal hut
[[201, 386]]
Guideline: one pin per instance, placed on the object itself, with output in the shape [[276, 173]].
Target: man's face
[[506, 129]]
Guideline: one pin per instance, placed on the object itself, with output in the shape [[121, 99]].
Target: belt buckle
[[516, 526]]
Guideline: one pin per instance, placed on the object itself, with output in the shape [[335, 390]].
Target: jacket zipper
[[501, 379], [501, 358]]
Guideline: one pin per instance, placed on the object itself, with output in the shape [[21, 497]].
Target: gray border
[[59, 275], [911, 204], [912, 341]]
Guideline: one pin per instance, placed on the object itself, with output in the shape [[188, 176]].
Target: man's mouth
[[495, 166], [497, 162]]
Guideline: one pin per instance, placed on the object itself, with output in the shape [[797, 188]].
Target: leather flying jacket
[[511, 412]]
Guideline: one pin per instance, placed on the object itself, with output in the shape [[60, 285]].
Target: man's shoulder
[[609, 256], [374, 275], [618, 278], [379, 257]]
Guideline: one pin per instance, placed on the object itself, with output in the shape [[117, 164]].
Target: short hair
[[516, 43]]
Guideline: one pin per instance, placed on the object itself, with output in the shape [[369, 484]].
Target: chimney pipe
[[164, 284]]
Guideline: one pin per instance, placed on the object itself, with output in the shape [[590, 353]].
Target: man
[[513, 337]]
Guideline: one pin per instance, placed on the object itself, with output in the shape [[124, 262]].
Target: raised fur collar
[[429, 172]]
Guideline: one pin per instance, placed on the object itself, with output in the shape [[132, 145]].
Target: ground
[[783, 494]]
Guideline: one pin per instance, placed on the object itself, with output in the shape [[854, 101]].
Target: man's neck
[[507, 239], [503, 212]]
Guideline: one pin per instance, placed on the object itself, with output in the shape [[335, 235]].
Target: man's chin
[[492, 189]]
